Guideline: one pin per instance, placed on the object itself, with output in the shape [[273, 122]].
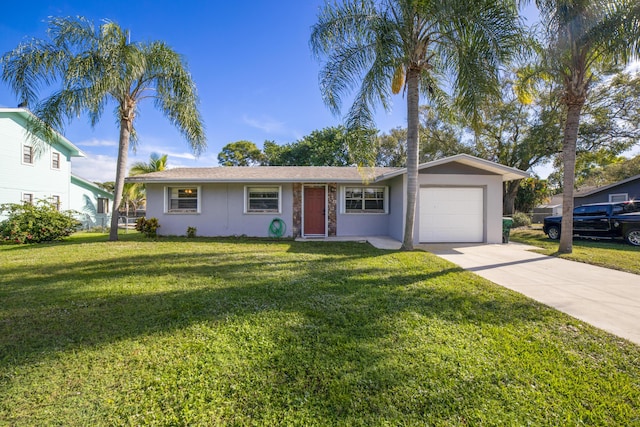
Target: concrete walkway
[[607, 299]]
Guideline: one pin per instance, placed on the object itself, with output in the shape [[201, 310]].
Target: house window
[[27, 154], [55, 201], [27, 198], [103, 205], [55, 160], [183, 199], [621, 197], [365, 200], [262, 199]]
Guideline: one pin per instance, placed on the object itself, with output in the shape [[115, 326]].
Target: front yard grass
[[614, 254], [256, 332]]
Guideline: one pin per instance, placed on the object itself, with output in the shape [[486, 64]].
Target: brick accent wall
[[332, 208], [296, 228]]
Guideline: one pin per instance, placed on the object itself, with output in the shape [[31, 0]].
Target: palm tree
[[586, 38], [156, 163], [96, 66], [388, 45]]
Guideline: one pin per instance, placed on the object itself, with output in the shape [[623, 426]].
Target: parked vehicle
[[601, 220]]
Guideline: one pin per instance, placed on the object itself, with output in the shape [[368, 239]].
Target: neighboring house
[[91, 202], [621, 191], [29, 174], [459, 200]]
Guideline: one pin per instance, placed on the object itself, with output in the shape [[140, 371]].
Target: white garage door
[[451, 214]]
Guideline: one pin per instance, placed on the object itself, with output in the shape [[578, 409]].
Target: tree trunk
[[413, 144], [121, 172], [510, 192], [569, 176]]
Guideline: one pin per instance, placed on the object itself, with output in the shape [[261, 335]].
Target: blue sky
[[256, 77]]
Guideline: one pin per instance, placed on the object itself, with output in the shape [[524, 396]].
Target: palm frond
[[176, 95]]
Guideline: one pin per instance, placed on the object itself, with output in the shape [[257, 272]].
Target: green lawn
[[614, 254], [250, 332]]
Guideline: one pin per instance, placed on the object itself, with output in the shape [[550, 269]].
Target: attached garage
[[452, 214]]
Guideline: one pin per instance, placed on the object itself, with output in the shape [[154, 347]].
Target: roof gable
[[592, 191], [81, 182], [21, 115]]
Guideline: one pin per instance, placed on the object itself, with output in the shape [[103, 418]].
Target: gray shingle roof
[[266, 174], [314, 174]]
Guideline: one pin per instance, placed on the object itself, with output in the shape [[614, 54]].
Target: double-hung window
[[55, 160], [263, 199], [55, 201], [365, 199], [27, 198], [183, 199], [103, 205], [27, 154]]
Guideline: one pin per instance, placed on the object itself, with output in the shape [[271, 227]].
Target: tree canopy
[[240, 153]]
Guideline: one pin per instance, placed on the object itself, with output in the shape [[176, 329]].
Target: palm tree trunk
[[569, 175], [413, 144], [121, 172]]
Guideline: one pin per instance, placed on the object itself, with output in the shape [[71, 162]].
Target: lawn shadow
[[59, 308]]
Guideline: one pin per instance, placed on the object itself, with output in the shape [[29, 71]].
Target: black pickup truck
[[608, 220]]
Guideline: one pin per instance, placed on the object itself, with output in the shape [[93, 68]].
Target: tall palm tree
[[585, 38], [382, 46], [96, 66]]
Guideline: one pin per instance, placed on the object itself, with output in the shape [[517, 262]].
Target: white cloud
[[265, 124], [95, 167], [98, 143]]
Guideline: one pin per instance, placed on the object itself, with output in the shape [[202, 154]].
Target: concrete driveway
[[605, 298]]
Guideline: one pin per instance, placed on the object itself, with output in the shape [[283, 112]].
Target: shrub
[[40, 222], [521, 219], [148, 226], [191, 232]]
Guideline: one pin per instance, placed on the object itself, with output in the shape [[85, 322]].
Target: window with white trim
[[183, 199], [27, 154], [365, 199], [27, 198], [103, 205], [55, 201], [263, 199], [55, 160], [621, 197]]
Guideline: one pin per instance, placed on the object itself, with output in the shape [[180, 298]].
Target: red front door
[[314, 211]]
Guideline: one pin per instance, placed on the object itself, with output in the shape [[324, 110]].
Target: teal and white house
[[92, 203], [29, 175]]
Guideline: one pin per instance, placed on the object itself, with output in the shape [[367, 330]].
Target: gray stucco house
[[459, 200]]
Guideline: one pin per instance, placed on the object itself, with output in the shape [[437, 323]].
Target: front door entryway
[[314, 216]]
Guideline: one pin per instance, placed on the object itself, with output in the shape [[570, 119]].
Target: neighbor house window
[[55, 160], [365, 199], [27, 154], [27, 198], [55, 201], [183, 199], [622, 197], [103, 205], [262, 199]]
